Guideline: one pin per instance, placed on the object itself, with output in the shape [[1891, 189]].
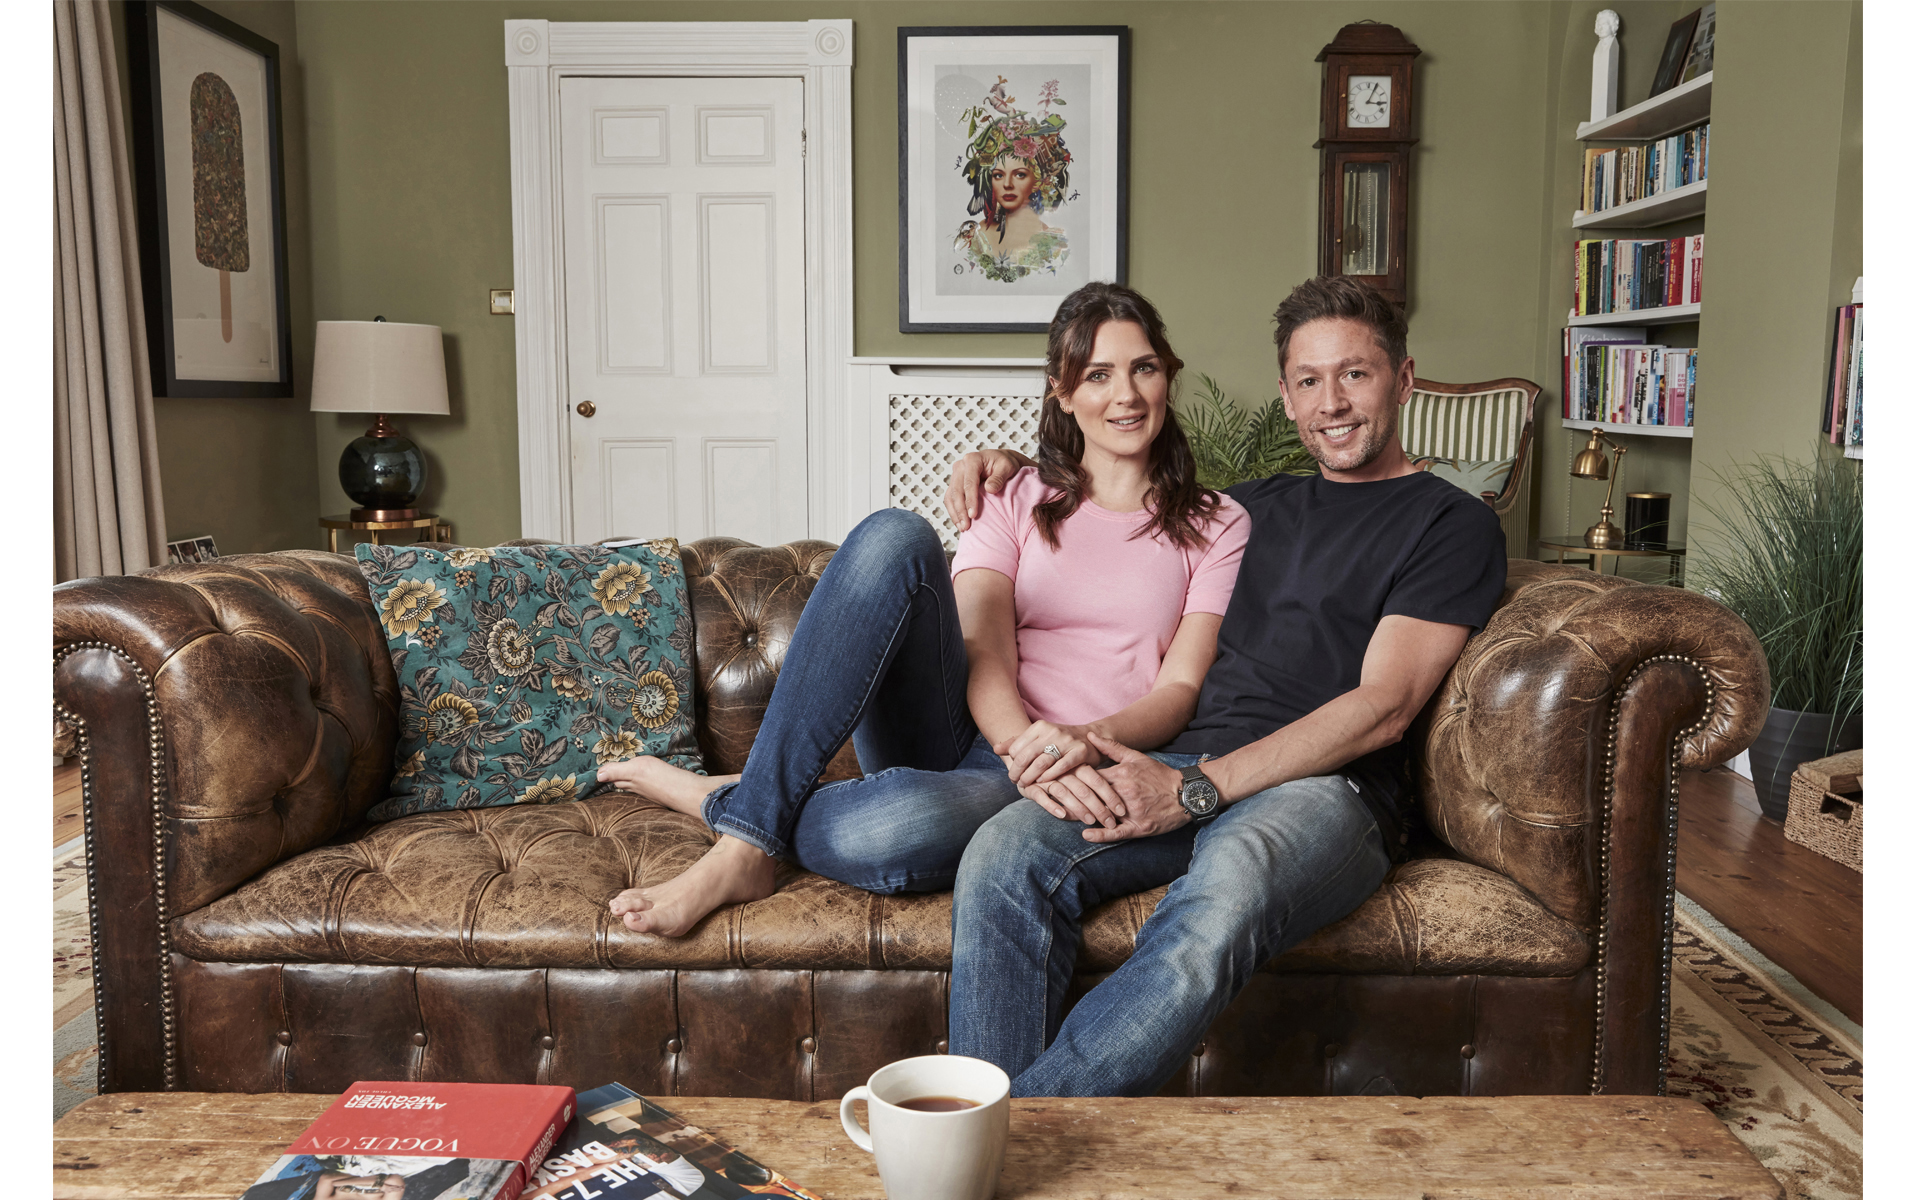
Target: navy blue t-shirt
[[1324, 563]]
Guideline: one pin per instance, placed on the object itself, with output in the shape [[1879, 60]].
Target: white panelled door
[[684, 241]]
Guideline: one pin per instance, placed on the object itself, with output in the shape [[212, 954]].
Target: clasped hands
[[1132, 796]]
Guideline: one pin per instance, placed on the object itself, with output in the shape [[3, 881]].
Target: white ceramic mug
[[954, 1155]]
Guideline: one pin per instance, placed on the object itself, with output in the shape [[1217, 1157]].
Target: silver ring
[[1052, 749]]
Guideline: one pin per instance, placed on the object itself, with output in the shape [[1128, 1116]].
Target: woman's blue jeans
[[877, 654]]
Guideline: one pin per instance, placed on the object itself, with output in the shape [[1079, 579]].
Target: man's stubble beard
[[1370, 448]]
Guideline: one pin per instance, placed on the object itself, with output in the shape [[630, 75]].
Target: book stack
[[1626, 380], [1840, 413], [1617, 275], [1625, 174]]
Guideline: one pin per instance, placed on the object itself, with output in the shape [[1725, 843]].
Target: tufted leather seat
[[236, 720]]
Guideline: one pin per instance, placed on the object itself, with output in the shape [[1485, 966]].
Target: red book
[[434, 1141], [1676, 270]]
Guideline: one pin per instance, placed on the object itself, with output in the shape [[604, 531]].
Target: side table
[[1577, 546], [437, 530]]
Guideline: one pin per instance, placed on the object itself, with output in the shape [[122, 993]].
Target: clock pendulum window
[[1366, 143]]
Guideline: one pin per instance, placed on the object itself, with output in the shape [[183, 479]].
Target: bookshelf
[[1670, 111], [1672, 315], [1664, 209], [1676, 109]]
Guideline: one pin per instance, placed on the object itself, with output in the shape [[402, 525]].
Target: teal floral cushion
[[523, 668], [1471, 475]]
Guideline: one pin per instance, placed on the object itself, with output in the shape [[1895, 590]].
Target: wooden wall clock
[[1366, 155]]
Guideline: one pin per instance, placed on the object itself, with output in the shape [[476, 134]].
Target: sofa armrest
[[1550, 751]]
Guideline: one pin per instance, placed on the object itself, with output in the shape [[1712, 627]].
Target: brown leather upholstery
[[236, 719]]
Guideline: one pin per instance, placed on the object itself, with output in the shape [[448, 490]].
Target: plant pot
[[1788, 739]]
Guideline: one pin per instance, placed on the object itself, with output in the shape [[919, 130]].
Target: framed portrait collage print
[[1013, 172]]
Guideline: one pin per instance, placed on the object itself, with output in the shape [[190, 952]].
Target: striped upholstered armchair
[[1479, 436]]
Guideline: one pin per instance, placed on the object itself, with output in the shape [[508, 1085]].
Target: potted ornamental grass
[[1231, 445], [1786, 553]]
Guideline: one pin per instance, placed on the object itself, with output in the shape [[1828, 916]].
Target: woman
[[1087, 597], [1016, 165]]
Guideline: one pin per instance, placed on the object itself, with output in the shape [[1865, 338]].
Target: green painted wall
[[411, 213], [399, 205], [241, 470], [1786, 192]]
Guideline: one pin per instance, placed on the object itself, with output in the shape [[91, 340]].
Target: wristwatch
[[1197, 793]]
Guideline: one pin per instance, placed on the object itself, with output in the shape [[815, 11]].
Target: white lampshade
[[378, 367]]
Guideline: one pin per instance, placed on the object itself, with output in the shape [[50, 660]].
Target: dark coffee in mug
[[937, 1103]]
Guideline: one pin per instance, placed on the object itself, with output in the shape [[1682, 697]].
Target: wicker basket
[[1824, 807]]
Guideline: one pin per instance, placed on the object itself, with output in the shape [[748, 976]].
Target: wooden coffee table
[[182, 1146]]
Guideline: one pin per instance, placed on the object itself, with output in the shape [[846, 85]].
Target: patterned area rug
[[1775, 1063]]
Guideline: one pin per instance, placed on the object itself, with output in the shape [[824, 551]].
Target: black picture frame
[[1107, 260], [1674, 58], [268, 373]]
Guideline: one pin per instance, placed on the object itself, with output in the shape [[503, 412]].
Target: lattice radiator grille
[[926, 433]]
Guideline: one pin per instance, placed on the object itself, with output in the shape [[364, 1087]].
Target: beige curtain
[[107, 515]]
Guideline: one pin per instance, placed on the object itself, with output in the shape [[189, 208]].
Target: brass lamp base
[[1605, 535]]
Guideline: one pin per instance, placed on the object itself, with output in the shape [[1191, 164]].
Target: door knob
[[585, 408]]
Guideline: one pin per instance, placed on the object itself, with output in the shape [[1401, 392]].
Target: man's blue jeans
[[877, 654], [1245, 885]]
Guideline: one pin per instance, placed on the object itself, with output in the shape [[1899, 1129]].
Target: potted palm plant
[[1787, 544], [1231, 445]]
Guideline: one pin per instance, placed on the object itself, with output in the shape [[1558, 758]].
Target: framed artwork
[[1013, 172], [1674, 58], [212, 202]]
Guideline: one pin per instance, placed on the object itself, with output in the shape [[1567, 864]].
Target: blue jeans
[[877, 654], [1245, 886]]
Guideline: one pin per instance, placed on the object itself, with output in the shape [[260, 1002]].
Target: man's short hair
[[1340, 296]]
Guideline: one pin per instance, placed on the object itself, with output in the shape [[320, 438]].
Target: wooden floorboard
[[1798, 908], [66, 802]]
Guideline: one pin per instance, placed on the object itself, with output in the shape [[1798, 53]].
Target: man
[[1283, 804]]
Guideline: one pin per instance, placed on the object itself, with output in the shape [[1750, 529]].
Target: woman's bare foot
[[681, 791], [733, 872]]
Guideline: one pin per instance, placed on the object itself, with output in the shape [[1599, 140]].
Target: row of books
[[494, 1141], [1625, 380], [1621, 275], [1840, 414], [1625, 174]]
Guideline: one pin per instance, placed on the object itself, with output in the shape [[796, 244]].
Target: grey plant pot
[[1788, 739]]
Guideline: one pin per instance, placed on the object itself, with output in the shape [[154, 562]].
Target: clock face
[[1369, 101]]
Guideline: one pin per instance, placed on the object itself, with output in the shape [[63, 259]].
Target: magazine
[[624, 1147], [421, 1141]]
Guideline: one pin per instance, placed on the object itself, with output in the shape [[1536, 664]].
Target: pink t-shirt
[[1093, 619]]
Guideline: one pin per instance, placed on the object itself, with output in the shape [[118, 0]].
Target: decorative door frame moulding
[[541, 53]]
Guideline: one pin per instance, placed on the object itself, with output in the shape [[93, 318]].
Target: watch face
[[1369, 101], [1199, 797]]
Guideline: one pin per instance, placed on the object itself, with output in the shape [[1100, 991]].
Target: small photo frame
[[192, 550], [1700, 47], [1013, 172], [211, 195], [1674, 58]]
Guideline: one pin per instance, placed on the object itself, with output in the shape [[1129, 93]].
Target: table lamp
[[1591, 463], [380, 367]]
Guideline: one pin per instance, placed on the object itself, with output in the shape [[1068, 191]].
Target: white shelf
[[1671, 315], [1679, 431], [1675, 108], [1676, 205]]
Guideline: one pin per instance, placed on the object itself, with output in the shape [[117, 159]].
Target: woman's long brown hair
[[1181, 508]]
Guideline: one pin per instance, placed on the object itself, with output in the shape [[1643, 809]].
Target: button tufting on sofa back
[[276, 700]]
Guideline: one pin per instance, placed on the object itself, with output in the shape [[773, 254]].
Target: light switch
[[500, 302]]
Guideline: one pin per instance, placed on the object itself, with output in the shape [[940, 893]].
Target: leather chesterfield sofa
[[235, 720]]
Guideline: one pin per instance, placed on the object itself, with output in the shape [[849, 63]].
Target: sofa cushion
[[522, 669], [528, 887]]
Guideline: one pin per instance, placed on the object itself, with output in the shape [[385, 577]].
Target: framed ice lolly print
[[211, 200], [1013, 172]]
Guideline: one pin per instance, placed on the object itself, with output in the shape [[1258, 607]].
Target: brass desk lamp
[[1591, 463]]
